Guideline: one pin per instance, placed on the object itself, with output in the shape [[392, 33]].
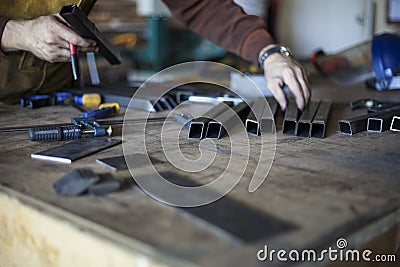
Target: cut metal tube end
[[252, 127], [214, 130], [290, 119], [318, 125], [196, 130], [198, 126], [395, 125], [257, 109], [360, 123], [346, 127], [318, 130], [289, 126], [303, 128], [375, 125]]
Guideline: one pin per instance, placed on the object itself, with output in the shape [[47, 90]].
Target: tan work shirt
[[22, 72]]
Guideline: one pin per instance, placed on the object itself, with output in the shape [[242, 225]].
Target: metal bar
[[74, 150], [320, 121], [253, 120], [226, 121], [381, 123], [94, 74], [102, 122], [360, 123], [84, 27], [268, 117], [198, 126], [395, 126], [291, 117]]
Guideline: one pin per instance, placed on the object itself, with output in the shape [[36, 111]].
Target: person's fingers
[[275, 87], [302, 78], [290, 79], [88, 49], [56, 54], [69, 35]]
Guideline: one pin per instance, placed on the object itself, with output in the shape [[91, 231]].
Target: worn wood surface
[[317, 190]]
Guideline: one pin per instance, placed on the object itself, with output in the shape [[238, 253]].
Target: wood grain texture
[[324, 189]]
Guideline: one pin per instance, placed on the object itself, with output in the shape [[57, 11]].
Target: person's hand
[[280, 70], [47, 37]]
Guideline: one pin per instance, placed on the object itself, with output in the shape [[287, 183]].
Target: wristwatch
[[276, 49]]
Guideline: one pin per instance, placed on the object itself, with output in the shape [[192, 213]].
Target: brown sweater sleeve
[[3, 22], [224, 23]]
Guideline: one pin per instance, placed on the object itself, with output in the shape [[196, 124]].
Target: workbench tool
[[371, 105], [101, 122], [89, 100], [58, 133], [74, 150], [104, 111]]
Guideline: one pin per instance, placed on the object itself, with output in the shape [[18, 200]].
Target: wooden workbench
[[318, 190]]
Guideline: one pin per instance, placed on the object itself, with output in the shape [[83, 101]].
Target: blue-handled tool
[[104, 111], [57, 98]]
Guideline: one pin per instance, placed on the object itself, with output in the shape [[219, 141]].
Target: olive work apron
[[22, 73]]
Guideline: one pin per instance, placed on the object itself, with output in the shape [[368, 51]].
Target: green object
[[166, 47]]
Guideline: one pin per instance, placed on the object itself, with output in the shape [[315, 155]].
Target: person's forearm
[[225, 24]]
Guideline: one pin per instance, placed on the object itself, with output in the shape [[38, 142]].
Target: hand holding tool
[[36, 101], [85, 28], [74, 61], [372, 105]]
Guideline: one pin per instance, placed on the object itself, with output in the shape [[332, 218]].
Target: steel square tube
[[268, 117], [320, 121], [226, 121], [395, 126], [381, 123], [84, 27], [257, 109], [303, 127], [360, 123], [291, 117], [375, 125], [198, 126]]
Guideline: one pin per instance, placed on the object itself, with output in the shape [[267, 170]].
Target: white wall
[[306, 25]]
